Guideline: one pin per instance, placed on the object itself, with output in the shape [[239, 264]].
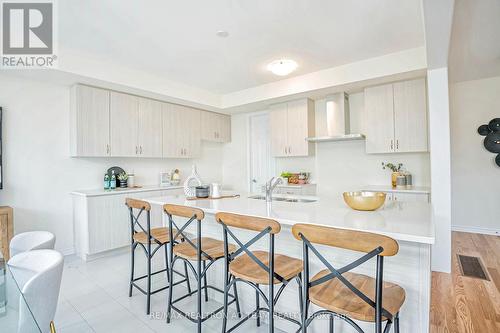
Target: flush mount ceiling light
[[222, 33], [282, 67]]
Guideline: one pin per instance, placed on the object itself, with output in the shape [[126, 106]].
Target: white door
[[298, 128], [379, 112], [279, 123], [150, 133], [261, 161], [410, 116], [124, 118]]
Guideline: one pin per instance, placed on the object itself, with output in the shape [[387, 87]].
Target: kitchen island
[[410, 223]]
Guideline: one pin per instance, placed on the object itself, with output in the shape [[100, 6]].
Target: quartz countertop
[[403, 221], [101, 192]]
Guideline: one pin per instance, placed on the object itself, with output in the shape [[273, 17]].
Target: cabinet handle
[[397, 144], [285, 150], [289, 150], [136, 149], [392, 144], [215, 135], [185, 151], [107, 149], [140, 150]]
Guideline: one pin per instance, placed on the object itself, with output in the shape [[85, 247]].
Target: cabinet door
[[299, 119], [172, 131], [225, 128], [278, 127], [410, 116], [89, 121], [209, 126], [379, 112], [190, 120], [123, 129], [150, 128]]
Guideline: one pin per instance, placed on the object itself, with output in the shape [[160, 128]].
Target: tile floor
[[94, 298]]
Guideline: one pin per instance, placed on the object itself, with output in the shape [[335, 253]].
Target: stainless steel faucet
[[270, 185]]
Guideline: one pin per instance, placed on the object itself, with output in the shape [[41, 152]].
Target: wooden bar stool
[[201, 250], [145, 237], [256, 268], [343, 294]]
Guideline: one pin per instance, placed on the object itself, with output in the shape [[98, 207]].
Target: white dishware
[[216, 190], [131, 180], [165, 178], [191, 182]]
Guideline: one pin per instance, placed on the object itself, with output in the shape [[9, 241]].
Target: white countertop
[[101, 192], [405, 189], [403, 221]]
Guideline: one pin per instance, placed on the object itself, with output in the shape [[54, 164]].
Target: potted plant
[[396, 171], [286, 176], [122, 178]]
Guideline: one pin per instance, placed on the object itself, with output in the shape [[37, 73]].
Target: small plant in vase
[[286, 175], [396, 171], [122, 178]]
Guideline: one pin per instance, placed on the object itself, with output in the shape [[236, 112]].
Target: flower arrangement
[[396, 171]]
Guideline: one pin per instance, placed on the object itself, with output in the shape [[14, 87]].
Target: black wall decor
[[492, 137]]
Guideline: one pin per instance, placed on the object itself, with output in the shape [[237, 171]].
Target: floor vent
[[472, 267]]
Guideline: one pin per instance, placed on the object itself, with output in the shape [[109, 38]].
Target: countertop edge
[[85, 193]]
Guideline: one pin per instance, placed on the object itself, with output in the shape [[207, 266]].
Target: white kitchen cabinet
[[149, 138], [181, 131], [215, 127], [102, 222], [291, 123], [124, 125], [89, 118], [396, 117]]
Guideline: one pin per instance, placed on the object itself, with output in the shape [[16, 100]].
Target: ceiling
[[177, 39], [475, 40]]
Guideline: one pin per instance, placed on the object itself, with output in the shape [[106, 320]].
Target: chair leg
[[332, 324], [257, 306], [198, 296], [237, 300], [166, 262], [187, 277], [271, 308], [132, 266], [226, 296], [205, 280], [148, 305], [396, 323], [170, 292]]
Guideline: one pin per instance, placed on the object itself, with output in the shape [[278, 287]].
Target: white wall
[[38, 172], [336, 167], [474, 174]]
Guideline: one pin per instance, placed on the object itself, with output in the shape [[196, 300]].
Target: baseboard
[[476, 230], [67, 252]]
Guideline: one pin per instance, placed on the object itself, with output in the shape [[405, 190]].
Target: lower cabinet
[[102, 223]]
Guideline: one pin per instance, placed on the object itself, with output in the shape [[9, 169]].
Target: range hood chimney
[[338, 123]]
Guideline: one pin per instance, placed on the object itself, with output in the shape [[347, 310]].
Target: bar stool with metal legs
[[343, 294], [201, 250], [145, 237], [256, 268]]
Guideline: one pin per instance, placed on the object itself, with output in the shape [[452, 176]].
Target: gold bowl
[[364, 200]]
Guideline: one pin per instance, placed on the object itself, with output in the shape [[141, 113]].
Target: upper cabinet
[[396, 117], [215, 127], [89, 121], [181, 131], [291, 123], [109, 123]]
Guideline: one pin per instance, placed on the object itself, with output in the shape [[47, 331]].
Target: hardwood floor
[[462, 304]]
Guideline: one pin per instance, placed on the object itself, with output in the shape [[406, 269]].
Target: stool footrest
[[251, 314], [157, 290], [208, 316]]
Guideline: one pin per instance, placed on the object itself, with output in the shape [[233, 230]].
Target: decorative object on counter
[[409, 179], [112, 183], [396, 171], [232, 196], [365, 201], [131, 179], [107, 182], [492, 137], [191, 182], [401, 181], [304, 177], [165, 179], [216, 190], [286, 176], [202, 191], [122, 180], [176, 177]]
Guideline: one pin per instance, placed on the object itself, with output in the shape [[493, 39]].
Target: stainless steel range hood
[[336, 123]]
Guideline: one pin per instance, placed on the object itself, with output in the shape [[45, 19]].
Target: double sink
[[262, 197]]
